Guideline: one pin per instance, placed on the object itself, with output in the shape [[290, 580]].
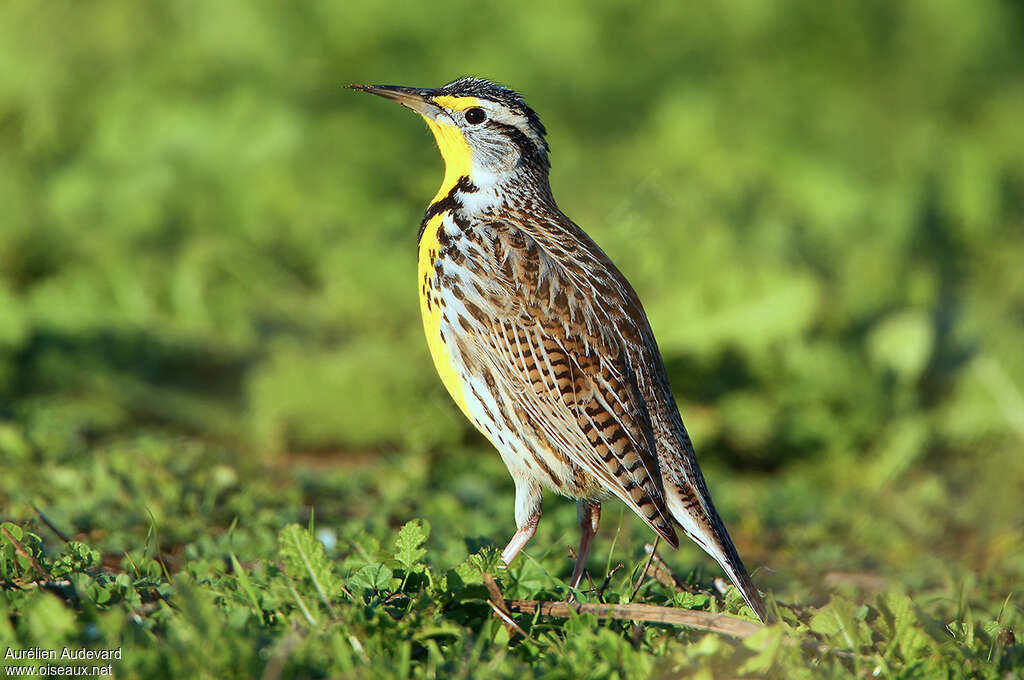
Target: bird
[[539, 338]]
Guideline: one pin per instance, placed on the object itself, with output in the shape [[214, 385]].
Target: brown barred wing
[[582, 401]]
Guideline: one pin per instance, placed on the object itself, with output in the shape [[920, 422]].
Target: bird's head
[[485, 131]]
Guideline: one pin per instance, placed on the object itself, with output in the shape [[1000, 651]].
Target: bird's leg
[[589, 513], [519, 539], [528, 498]]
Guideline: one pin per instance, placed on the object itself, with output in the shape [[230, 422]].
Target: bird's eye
[[475, 115]]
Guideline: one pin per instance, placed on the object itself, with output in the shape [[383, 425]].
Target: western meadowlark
[[541, 340]]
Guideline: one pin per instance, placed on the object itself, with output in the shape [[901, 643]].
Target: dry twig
[[500, 606], [46, 520], [718, 623], [26, 554]]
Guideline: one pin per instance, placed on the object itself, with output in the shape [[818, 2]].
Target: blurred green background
[[203, 237]]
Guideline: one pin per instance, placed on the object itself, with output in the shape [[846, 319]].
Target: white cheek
[[492, 169]]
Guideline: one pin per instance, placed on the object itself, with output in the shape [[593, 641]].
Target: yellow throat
[[457, 163]]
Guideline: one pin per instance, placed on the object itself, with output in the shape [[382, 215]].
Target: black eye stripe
[[527, 147]]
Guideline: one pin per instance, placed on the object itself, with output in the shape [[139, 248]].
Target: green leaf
[[687, 600], [903, 343], [906, 634], [305, 560], [243, 580], [17, 549], [410, 537], [376, 577], [77, 557], [838, 622], [486, 561], [13, 529], [767, 643]]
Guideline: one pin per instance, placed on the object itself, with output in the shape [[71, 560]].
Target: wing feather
[[590, 411]]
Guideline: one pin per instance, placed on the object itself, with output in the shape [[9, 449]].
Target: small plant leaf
[[407, 546], [305, 561]]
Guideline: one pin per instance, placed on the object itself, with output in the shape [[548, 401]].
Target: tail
[[692, 508]]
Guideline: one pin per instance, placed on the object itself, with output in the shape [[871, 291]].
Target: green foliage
[[77, 557], [305, 561], [410, 538], [380, 605], [208, 327]]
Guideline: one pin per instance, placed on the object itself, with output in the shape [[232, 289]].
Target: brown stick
[[500, 606], [718, 623], [715, 623], [46, 520], [26, 554]]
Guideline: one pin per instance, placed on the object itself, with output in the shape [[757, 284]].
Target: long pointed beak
[[417, 99]]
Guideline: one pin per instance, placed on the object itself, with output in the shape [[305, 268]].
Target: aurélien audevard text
[[65, 654]]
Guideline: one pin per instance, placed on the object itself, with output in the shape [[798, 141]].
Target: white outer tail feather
[[718, 548]]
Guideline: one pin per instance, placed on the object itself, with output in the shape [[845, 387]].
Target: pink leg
[[519, 539], [589, 513]]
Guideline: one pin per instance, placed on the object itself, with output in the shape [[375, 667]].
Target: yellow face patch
[[458, 158], [456, 103]]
